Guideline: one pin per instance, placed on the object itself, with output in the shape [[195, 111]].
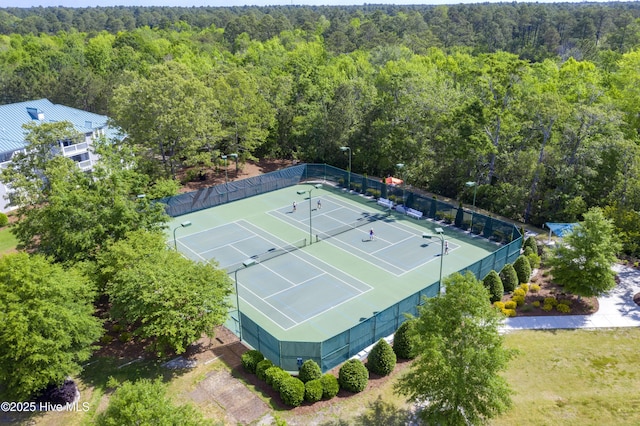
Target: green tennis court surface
[[309, 284]]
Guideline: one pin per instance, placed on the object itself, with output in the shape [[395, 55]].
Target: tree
[[460, 355], [582, 262], [70, 215], [145, 402], [47, 326], [166, 297], [509, 278], [493, 283]]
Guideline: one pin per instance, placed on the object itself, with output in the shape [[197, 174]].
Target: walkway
[[616, 309]]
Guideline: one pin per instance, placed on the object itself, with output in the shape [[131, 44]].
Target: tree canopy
[[47, 326], [582, 261], [455, 377]]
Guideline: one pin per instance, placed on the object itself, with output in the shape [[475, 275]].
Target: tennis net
[[269, 254], [363, 221]]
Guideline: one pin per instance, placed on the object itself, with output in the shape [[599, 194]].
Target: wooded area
[[537, 104]]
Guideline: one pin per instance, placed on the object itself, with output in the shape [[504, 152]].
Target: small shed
[[559, 229]]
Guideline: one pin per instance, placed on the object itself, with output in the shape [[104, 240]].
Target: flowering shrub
[[509, 312], [525, 287], [519, 292], [518, 299], [498, 305], [510, 305]]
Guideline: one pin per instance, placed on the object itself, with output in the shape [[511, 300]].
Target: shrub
[[498, 305], [526, 308], [567, 302], [509, 312], [125, 337], [530, 243], [518, 299], [270, 374], [561, 307], [509, 278], [60, 394], [313, 390], [534, 260], [117, 328], [330, 386], [523, 269], [310, 370], [493, 283], [519, 292], [535, 288], [536, 304], [4, 220], [292, 391], [250, 360], [547, 307], [550, 301], [353, 376], [262, 367], [278, 378], [525, 287], [382, 359], [510, 304], [106, 339], [403, 344]]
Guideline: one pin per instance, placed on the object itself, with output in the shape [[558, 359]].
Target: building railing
[[75, 149]]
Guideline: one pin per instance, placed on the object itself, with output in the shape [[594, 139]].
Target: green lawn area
[[8, 241], [569, 377]]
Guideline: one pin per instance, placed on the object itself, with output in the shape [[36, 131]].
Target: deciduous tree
[[460, 355]]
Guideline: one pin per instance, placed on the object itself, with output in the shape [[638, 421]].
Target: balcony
[[85, 165], [76, 149]]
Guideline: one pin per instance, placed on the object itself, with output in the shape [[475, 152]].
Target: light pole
[[235, 157], [400, 166], [475, 189], [319, 185], [440, 233], [246, 264], [182, 225], [348, 148]]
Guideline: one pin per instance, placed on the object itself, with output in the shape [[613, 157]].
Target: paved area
[[616, 309]]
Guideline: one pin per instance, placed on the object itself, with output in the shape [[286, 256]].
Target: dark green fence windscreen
[[339, 348]]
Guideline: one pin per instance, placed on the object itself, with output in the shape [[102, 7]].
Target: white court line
[[317, 259], [228, 244], [296, 285], [189, 248], [393, 244]]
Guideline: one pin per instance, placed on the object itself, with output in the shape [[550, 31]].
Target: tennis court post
[[316, 186], [246, 264]]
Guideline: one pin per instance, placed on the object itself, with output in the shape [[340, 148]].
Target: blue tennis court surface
[[291, 289], [395, 247]]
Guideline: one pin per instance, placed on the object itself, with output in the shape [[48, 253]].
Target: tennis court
[[311, 282], [393, 246], [289, 289]]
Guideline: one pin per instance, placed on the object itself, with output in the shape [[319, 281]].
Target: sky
[[227, 3]]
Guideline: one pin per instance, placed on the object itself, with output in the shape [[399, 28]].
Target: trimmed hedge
[[403, 344], [509, 278], [273, 375], [531, 243], [262, 367], [250, 360], [382, 359], [313, 390], [292, 391], [353, 376], [523, 269], [493, 283], [330, 386], [4, 220], [310, 370]]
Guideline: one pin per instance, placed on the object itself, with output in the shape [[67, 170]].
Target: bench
[[385, 202], [414, 213]]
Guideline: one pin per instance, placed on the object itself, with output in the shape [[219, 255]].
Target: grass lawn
[[569, 377], [574, 377], [8, 241]]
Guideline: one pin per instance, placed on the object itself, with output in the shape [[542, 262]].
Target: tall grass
[[8, 241]]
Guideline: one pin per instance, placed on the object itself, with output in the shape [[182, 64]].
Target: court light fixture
[[401, 166], [247, 263], [302, 192], [440, 234], [185, 224], [348, 148]]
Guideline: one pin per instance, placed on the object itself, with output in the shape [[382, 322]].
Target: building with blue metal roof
[[12, 134]]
